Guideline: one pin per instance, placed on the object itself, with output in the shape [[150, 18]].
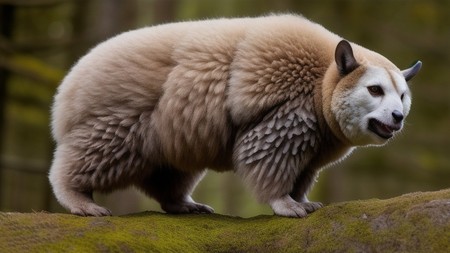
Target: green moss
[[416, 222]]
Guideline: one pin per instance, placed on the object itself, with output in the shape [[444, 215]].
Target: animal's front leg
[[301, 188], [272, 179], [272, 183], [310, 206], [271, 155], [296, 204], [287, 206]]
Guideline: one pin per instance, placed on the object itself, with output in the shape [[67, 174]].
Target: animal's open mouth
[[381, 129]]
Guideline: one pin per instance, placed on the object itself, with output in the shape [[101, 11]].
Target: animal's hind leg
[[172, 189], [78, 200]]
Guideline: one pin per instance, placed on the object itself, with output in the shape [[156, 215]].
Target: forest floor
[[415, 222]]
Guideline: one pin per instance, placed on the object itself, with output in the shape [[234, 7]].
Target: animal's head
[[368, 101]]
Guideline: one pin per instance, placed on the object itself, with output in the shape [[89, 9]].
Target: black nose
[[398, 116]]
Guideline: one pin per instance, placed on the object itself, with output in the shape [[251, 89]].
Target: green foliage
[[416, 222]]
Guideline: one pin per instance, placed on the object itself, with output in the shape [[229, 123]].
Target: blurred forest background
[[41, 39]]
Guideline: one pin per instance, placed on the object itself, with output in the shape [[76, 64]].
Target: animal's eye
[[376, 90], [402, 96]]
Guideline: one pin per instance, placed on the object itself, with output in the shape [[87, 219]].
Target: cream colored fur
[[262, 96]]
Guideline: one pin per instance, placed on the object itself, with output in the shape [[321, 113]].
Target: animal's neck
[[323, 94], [329, 129]]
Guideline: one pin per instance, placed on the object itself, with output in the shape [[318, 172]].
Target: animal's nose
[[398, 116]]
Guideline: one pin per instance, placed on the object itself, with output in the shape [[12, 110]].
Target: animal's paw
[[186, 207], [311, 206], [286, 206], [90, 209]]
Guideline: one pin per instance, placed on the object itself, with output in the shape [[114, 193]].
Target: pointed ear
[[344, 58], [412, 71]]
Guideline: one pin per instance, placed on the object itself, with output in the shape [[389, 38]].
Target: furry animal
[[273, 98]]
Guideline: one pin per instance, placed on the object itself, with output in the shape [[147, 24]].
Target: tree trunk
[[6, 28], [164, 11]]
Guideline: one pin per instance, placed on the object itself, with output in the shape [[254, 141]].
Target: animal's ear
[[344, 58], [412, 71]]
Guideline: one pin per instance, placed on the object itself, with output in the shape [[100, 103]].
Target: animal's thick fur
[[156, 106]]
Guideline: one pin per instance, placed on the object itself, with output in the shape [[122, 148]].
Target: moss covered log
[[416, 222]]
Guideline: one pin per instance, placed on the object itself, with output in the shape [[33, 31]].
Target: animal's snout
[[398, 116]]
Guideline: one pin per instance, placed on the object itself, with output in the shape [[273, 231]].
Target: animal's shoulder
[[290, 129]]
